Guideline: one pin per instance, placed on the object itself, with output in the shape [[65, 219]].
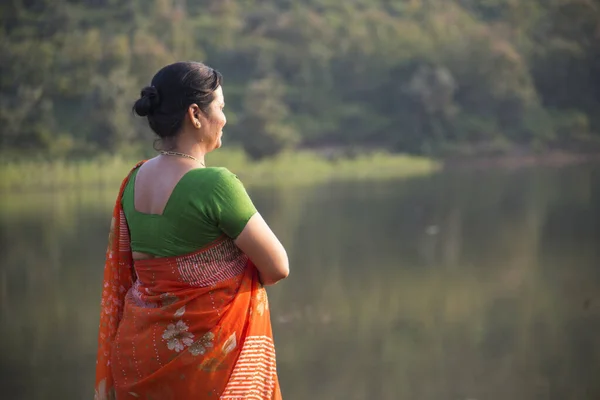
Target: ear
[[194, 114]]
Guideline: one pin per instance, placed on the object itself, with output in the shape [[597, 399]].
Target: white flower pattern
[[205, 342], [179, 313], [168, 299], [177, 336], [262, 302], [230, 344]]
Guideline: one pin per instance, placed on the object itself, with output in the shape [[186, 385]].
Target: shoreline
[[519, 160], [289, 169]]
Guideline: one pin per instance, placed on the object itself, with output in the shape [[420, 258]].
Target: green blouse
[[205, 204]]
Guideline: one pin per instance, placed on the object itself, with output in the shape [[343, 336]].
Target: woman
[[184, 312]]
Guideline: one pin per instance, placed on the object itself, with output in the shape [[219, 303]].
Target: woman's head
[[184, 98]]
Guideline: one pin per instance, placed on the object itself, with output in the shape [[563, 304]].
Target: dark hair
[[172, 90]]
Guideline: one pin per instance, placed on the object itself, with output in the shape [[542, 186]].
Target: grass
[[296, 168]]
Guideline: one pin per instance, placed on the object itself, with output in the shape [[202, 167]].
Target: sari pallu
[[195, 326]]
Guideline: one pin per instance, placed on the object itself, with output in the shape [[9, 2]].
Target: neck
[[188, 147]]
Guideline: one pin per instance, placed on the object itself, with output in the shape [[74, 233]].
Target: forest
[[427, 77]]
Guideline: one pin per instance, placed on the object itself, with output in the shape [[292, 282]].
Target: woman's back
[[171, 211]]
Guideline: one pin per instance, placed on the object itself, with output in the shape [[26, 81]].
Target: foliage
[[413, 76]]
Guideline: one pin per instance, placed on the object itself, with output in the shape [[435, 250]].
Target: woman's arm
[[260, 244]]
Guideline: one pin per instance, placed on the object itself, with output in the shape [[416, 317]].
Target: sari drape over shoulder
[[195, 326]]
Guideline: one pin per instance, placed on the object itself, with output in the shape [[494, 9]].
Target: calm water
[[464, 285]]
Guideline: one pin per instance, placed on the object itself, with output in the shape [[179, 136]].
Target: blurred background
[[430, 165]]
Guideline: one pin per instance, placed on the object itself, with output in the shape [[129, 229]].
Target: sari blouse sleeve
[[230, 205]]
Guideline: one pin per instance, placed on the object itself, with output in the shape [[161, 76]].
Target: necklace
[[176, 153]]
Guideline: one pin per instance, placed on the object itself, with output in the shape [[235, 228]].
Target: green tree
[[412, 76], [266, 131]]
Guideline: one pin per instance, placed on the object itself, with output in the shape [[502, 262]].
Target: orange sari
[[195, 326]]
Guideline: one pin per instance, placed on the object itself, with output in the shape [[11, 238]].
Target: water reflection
[[464, 285]]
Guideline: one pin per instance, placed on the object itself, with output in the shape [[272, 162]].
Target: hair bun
[[148, 102]]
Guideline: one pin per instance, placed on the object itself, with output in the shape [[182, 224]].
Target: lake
[[463, 285]]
